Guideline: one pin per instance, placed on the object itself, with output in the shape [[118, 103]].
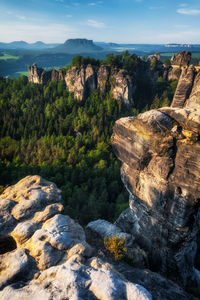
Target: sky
[[119, 21]]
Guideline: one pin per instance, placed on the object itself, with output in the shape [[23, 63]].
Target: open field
[[7, 56], [20, 73]]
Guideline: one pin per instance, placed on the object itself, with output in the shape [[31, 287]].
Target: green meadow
[[7, 56]]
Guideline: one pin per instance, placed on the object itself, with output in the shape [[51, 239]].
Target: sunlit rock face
[[122, 86], [160, 154], [181, 59], [83, 80], [39, 75], [185, 85]]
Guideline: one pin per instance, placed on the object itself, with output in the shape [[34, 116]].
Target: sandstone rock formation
[[39, 75], [84, 79], [160, 152], [184, 87], [49, 257], [156, 66], [81, 81], [122, 86], [181, 59], [174, 72]]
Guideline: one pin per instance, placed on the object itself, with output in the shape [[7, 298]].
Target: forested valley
[[45, 131]]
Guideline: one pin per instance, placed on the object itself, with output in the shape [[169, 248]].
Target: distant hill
[[106, 45], [22, 45], [77, 46]]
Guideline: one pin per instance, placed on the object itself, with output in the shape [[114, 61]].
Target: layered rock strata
[[44, 254], [184, 87], [160, 152]]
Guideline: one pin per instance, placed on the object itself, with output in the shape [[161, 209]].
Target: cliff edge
[[160, 151]]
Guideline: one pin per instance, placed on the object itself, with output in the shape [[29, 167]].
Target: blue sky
[[120, 21]]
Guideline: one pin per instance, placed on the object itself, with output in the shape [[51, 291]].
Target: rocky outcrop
[[156, 66], [81, 81], [174, 73], [181, 59], [84, 79], [49, 257], [103, 79], [160, 152], [184, 87], [39, 75], [194, 100], [122, 86]]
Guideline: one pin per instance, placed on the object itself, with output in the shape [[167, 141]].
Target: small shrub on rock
[[116, 247]]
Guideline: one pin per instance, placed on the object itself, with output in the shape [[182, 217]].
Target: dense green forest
[[45, 131]]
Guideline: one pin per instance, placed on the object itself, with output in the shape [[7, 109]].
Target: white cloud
[[181, 26], [187, 11], [52, 33], [95, 3], [182, 37], [21, 17], [156, 7], [183, 4], [96, 24]]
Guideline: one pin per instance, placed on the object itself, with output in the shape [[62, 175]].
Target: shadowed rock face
[[160, 152]]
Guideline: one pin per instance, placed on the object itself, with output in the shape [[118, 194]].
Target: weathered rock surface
[[84, 79], [103, 78], [156, 66], [174, 73], [194, 100], [81, 81], [106, 229], [39, 75], [122, 86], [99, 230], [50, 258], [160, 152], [181, 59], [160, 287], [184, 87]]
